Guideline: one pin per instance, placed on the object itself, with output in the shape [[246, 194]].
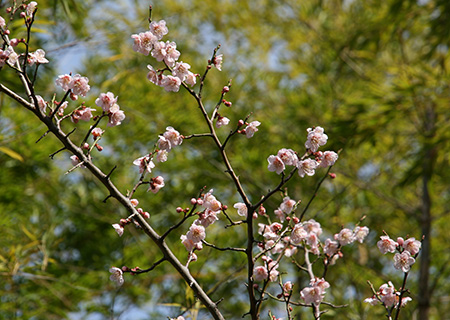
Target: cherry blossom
[[116, 276], [251, 128], [275, 164], [386, 244], [312, 226], [287, 286], [316, 138], [144, 42], [307, 167], [403, 261]]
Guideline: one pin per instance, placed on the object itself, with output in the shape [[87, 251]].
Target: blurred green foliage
[[372, 73]]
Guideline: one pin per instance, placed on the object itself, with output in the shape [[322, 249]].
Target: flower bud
[[193, 201], [227, 103], [99, 147], [224, 207], [14, 42], [261, 210], [225, 89], [8, 10], [179, 209], [240, 123], [86, 146], [134, 202], [296, 220], [200, 201], [23, 14], [332, 175], [125, 269], [123, 222], [7, 32], [400, 241]]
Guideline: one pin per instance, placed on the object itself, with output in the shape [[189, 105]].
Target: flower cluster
[[193, 238], [288, 157], [407, 250], [388, 296], [268, 271], [149, 42], [315, 293]]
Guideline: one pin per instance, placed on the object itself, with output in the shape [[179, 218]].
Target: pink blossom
[[13, 57], [196, 233], [217, 62], [161, 155], [85, 114], [372, 301], [387, 294], [315, 293], [31, 7], [210, 202], [116, 276], [288, 156], [222, 121], [307, 166], [403, 261], [331, 247], [188, 243], [241, 209], [360, 233], [62, 107], [181, 70], [134, 202], [144, 42], [260, 273], [328, 159], [159, 50], [170, 83], [173, 136], [280, 214], [172, 54], [144, 163], [287, 286], [106, 101], [164, 144], [191, 79], [97, 132], [64, 81], [79, 85], [273, 272], [156, 184], [386, 244], [153, 76], [207, 217], [287, 205], [116, 116], [312, 226], [298, 234], [76, 161], [316, 138], [41, 103], [118, 228], [345, 236], [412, 246], [37, 57], [251, 129], [2, 22], [159, 29], [275, 164]]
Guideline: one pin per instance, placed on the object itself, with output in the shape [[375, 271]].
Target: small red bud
[[23, 15], [332, 175], [227, 103], [242, 131], [255, 285], [208, 67], [7, 32], [193, 201], [226, 89], [261, 210], [99, 147], [288, 218], [125, 269], [179, 209], [240, 123], [8, 10], [186, 210], [123, 222], [224, 207], [279, 296], [296, 220]]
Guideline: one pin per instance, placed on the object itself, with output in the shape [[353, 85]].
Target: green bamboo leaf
[[11, 153]]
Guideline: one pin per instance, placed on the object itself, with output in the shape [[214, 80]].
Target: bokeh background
[[374, 74]]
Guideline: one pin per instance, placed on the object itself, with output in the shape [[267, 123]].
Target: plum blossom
[[386, 244], [412, 246], [144, 163], [189, 244], [144, 42], [387, 294], [41, 103], [403, 261], [307, 166], [287, 286], [116, 116], [76, 161], [251, 129], [241, 209], [328, 159], [312, 226], [64, 81], [345, 236], [62, 107], [217, 62], [171, 83], [97, 132], [161, 155], [331, 247], [315, 293], [298, 234], [196, 233], [191, 79], [12, 55], [181, 70], [207, 217], [118, 228], [288, 157], [287, 205], [2, 22], [360, 233], [170, 52], [260, 273], [316, 138], [84, 113], [222, 121], [173, 136], [159, 29], [106, 101], [79, 85], [116, 276], [156, 184], [275, 164], [210, 202], [37, 57], [272, 266]]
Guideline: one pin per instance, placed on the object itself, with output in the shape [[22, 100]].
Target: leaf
[[11, 153]]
